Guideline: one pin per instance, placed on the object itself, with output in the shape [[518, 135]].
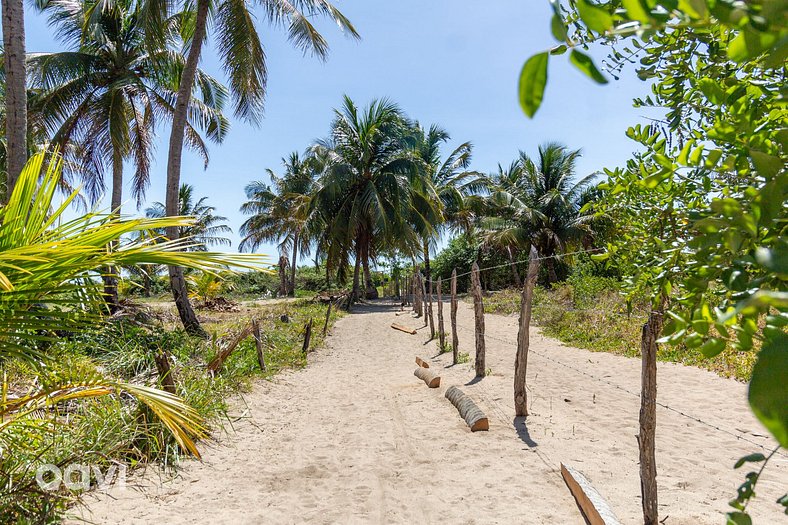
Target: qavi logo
[[77, 477]]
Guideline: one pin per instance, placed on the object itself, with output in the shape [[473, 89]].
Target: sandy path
[[355, 438]]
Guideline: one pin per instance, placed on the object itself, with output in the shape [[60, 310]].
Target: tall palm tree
[[15, 90], [538, 202], [367, 196], [244, 62], [108, 93], [449, 178], [282, 211], [206, 230]]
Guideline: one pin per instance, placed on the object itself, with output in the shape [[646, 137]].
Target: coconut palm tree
[[241, 51], [538, 202], [449, 178], [367, 196], [206, 229], [109, 93], [282, 211]]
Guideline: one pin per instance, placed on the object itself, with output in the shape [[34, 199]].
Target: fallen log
[[591, 503], [405, 329], [468, 410], [430, 379], [422, 363], [216, 363]]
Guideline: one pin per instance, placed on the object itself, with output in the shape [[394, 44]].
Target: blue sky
[[452, 62]]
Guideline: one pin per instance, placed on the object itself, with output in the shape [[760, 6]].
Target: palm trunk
[[293, 263], [427, 273], [517, 281], [283, 286], [370, 291], [552, 276], [356, 268], [111, 279], [177, 280], [16, 91], [146, 281]]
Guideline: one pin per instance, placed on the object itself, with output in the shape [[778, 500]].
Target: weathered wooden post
[[441, 332], [455, 342], [307, 336], [424, 300], [328, 316], [648, 417], [478, 312], [419, 295], [429, 311], [258, 343], [523, 336]]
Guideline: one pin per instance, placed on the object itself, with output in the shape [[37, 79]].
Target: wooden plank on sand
[[421, 362], [428, 377], [405, 329], [591, 503]]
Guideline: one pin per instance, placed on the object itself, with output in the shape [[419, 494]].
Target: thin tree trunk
[[179, 119], [146, 280], [648, 418], [356, 269], [15, 91], [455, 341], [111, 279], [523, 337], [517, 281], [293, 263], [478, 311]]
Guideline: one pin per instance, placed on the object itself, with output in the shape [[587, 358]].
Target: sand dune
[[356, 438]]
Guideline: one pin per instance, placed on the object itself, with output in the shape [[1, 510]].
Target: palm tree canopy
[[109, 92], [206, 230]]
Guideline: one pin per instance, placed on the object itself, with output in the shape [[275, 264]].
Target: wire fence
[[696, 419]]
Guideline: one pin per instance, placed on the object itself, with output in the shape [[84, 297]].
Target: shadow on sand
[[522, 431]]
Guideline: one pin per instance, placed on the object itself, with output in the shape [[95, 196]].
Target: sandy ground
[[356, 438]]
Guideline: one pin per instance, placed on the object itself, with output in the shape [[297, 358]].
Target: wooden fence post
[[441, 332], [455, 342], [258, 343], [328, 315], [523, 336], [424, 300], [419, 297], [648, 418], [429, 311], [307, 336], [478, 312]]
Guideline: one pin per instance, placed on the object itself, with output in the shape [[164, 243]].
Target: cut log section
[[405, 329], [422, 363], [428, 377], [468, 410], [591, 503]]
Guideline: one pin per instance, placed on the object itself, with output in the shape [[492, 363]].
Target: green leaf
[[738, 518], [767, 165], [636, 10], [585, 64], [768, 394], [533, 79], [596, 18], [750, 458], [558, 50], [713, 91], [712, 347], [749, 44], [558, 28]]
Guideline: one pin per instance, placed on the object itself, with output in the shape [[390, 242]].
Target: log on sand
[[428, 377], [468, 410], [422, 363], [405, 329], [593, 506]]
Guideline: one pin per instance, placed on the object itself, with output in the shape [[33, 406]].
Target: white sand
[[356, 438]]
